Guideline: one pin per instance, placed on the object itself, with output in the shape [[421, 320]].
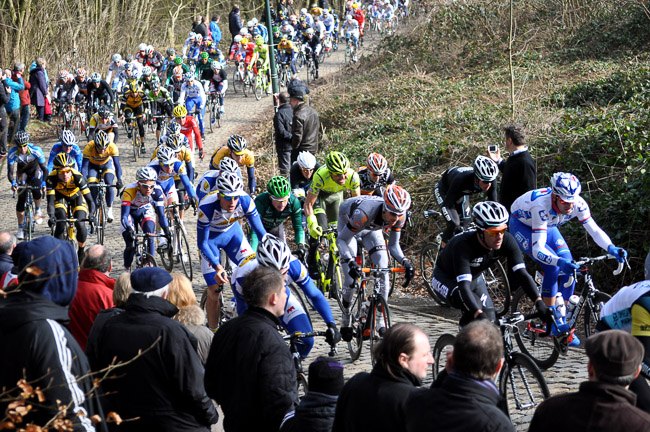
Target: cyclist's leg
[[129, 250], [440, 198], [20, 205], [295, 320], [555, 241], [60, 214], [148, 225], [80, 211], [93, 179], [314, 271], [36, 181], [479, 291], [109, 178], [345, 268], [138, 115], [331, 204], [374, 243]]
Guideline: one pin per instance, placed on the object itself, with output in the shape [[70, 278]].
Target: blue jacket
[[14, 98], [57, 148], [216, 32]]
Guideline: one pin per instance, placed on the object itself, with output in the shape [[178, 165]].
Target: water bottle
[[231, 307], [571, 306], [560, 308]]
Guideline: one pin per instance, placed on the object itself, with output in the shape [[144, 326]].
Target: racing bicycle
[[30, 209]]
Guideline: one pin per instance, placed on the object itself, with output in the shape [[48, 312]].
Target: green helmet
[[337, 163], [276, 29], [204, 55], [178, 60], [279, 187]]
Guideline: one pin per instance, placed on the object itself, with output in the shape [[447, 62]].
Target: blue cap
[[149, 279]]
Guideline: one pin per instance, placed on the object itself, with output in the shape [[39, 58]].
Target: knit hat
[[148, 279], [614, 353], [326, 376]]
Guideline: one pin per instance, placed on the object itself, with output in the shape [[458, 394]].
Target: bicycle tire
[[591, 316], [379, 311], [29, 222], [336, 286], [522, 378], [166, 255], [148, 259], [295, 291], [442, 345], [428, 257], [303, 386], [259, 87], [101, 220], [540, 349], [236, 81], [136, 146], [211, 116], [498, 286], [356, 344], [184, 253]]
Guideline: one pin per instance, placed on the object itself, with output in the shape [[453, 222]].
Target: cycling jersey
[[101, 93], [193, 91], [297, 180], [286, 45], [96, 122], [191, 126], [58, 187], [368, 187], [247, 160], [184, 155], [132, 199], [166, 180], [75, 152], [117, 68], [272, 218], [96, 158], [133, 99], [620, 312], [66, 90], [26, 163], [322, 182], [207, 183]]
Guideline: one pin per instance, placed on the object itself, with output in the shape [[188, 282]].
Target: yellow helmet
[[180, 111], [244, 41]]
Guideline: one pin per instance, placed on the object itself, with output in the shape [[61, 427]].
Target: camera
[[493, 148]]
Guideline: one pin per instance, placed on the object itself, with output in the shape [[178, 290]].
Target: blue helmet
[[566, 186]]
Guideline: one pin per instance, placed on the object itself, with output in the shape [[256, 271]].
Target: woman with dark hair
[[376, 401]]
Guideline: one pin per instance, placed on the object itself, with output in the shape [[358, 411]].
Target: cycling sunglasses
[[493, 232], [285, 199], [144, 185], [564, 202], [64, 170], [228, 197]]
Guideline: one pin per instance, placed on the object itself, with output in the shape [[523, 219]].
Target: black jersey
[[458, 182], [368, 187]]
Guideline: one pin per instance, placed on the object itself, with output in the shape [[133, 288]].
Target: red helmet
[[396, 199], [81, 72], [377, 164]]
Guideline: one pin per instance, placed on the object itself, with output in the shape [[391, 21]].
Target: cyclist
[[189, 126], [102, 156], [103, 120], [273, 252], [174, 141], [141, 202], [204, 68], [174, 128], [288, 53], [148, 78], [117, 66], [351, 31], [67, 188], [261, 54], [82, 82], [311, 41], [31, 170], [66, 89], [364, 218], [327, 187], [236, 148], [275, 206], [193, 95], [167, 166], [375, 176], [358, 15], [175, 83], [454, 187], [207, 182], [330, 25], [218, 83], [69, 145], [243, 52], [458, 273], [161, 104], [177, 66], [301, 174], [536, 218], [99, 92], [190, 42], [218, 228], [154, 60], [132, 101]]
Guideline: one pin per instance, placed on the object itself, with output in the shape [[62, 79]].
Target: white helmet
[[273, 252], [243, 31], [303, 11], [165, 155], [116, 58], [489, 214], [485, 169], [142, 47], [191, 35], [229, 184], [306, 160], [238, 39], [147, 70], [250, 23], [254, 21], [229, 165], [146, 174], [566, 186]]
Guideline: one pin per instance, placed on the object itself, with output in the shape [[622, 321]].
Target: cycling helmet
[[278, 187], [128, 67], [254, 21], [306, 160], [376, 163], [171, 52], [244, 41], [129, 58], [149, 50], [192, 35], [255, 33], [133, 86], [173, 128], [250, 24], [337, 163], [131, 79], [566, 186], [243, 31], [21, 138], [489, 214], [165, 155], [180, 111], [116, 58], [81, 72], [68, 138], [325, 12], [309, 31], [238, 39], [146, 174], [102, 140], [229, 165], [348, 17], [204, 55], [229, 184], [396, 199], [146, 71], [485, 169], [95, 77], [293, 18], [188, 76], [155, 86], [355, 6], [142, 47], [104, 111], [259, 41], [174, 142], [237, 144], [63, 74], [215, 65], [63, 160], [178, 60], [303, 11], [273, 252], [199, 38]]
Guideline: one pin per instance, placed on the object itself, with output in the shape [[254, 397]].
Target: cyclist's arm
[[203, 232], [516, 263], [298, 272], [50, 159], [296, 220], [491, 193], [190, 168], [197, 135], [310, 200], [159, 206], [187, 184], [84, 167], [394, 247], [78, 157], [118, 167], [125, 211], [251, 178], [262, 203], [252, 215], [462, 270]]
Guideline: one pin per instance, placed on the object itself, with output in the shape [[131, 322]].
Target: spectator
[[234, 22], [121, 291], [163, 386], [403, 357], [250, 372], [603, 403], [4, 126], [282, 8], [465, 399], [519, 170], [25, 101], [13, 106], [38, 346], [647, 267], [7, 245], [290, 9], [200, 27], [94, 292], [305, 123], [315, 413], [189, 313], [282, 125], [215, 30], [39, 91]]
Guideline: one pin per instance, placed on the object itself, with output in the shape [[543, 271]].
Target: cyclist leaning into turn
[[237, 150]]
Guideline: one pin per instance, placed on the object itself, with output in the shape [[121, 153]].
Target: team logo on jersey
[[582, 206], [523, 241], [360, 218], [201, 214], [543, 215], [543, 258], [560, 242], [205, 186], [476, 262]]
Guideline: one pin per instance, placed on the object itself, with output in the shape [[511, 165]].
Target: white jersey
[[617, 311], [328, 22], [192, 91], [218, 220], [351, 28], [115, 68]]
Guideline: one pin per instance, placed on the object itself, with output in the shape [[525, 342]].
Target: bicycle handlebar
[[588, 260], [300, 335], [380, 270], [431, 213]]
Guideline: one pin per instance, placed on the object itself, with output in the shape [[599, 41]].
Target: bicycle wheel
[[211, 115], [336, 287], [592, 314], [357, 322], [379, 317], [295, 291], [148, 260], [259, 87], [496, 280], [237, 82], [529, 334], [29, 222], [347, 56], [523, 387], [444, 344], [101, 220], [136, 146], [302, 385], [166, 254], [428, 257], [183, 252]]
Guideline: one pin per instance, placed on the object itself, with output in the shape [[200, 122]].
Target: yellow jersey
[[248, 159], [57, 187], [94, 157]]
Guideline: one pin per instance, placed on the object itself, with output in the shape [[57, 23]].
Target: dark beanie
[[326, 376], [614, 353]]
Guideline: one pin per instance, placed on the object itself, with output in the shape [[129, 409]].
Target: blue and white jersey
[[207, 183], [217, 220], [76, 154], [193, 91], [328, 22], [178, 169], [32, 157]]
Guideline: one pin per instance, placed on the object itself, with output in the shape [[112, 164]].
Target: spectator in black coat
[[7, 245], [4, 125], [250, 372], [403, 358], [39, 90], [234, 21], [282, 125], [519, 170], [316, 410], [163, 385], [466, 398], [199, 27]]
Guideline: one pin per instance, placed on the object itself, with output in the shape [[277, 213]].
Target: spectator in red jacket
[[25, 100], [94, 292]]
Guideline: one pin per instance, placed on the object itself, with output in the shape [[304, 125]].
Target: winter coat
[[215, 30], [14, 97], [39, 86], [193, 318], [282, 124], [234, 22], [23, 94], [315, 413], [304, 128]]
